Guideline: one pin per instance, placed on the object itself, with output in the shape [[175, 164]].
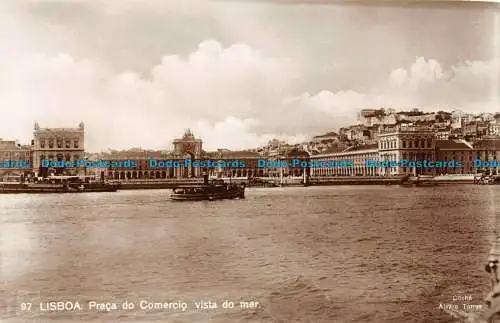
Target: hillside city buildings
[[380, 135]]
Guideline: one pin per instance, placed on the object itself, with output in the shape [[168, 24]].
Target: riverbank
[[293, 181]]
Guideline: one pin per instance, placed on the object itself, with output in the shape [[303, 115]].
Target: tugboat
[[217, 190]]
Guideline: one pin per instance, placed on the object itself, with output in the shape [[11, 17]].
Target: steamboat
[[215, 190], [58, 184]]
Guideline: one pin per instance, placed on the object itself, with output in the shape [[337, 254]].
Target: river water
[[316, 254]]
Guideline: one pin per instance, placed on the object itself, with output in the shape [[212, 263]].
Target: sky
[[237, 73]]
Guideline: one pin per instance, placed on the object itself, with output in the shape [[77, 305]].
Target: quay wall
[[355, 180], [297, 181], [157, 184]]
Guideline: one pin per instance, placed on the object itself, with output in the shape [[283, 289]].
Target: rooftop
[[488, 144], [452, 144], [361, 147]]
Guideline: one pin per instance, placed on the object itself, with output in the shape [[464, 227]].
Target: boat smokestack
[[205, 178]]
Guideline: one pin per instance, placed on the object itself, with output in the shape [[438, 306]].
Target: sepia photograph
[[249, 161]]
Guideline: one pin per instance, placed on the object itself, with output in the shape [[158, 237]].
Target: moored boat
[[419, 181], [429, 183], [488, 180], [67, 184], [216, 190]]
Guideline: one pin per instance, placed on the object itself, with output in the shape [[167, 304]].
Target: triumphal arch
[[188, 147]]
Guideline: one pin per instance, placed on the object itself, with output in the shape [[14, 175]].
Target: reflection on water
[[317, 254], [19, 241]]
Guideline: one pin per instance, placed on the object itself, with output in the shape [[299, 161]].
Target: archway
[[189, 170]]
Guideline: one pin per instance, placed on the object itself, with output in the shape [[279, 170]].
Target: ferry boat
[[216, 190], [59, 184]]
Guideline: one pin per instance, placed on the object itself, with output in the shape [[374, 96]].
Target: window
[[68, 144], [76, 144], [404, 143], [59, 143], [51, 143], [42, 143]]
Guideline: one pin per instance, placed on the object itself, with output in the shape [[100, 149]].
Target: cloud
[[231, 96], [472, 86], [216, 90]]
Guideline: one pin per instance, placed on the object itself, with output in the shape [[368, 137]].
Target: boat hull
[[419, 184], [206, 197], [208, 192], [46, 189]]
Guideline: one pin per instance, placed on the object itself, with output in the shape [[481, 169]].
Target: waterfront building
[[248, 158], [394, 144], [58, 144], [188, 147], [406, 143], [15, 159], [457, 150], [488, 150], [287, 161], [338, 161], [134, 164], [146, 164]]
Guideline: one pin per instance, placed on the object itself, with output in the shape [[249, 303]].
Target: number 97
[[25, 306]]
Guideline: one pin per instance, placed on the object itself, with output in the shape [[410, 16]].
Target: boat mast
[[281, 165]]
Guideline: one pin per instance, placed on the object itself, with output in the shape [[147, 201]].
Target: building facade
[[358, 155], [406, 143], [188, 147], [488, 150], [141, 164], [455, 150], [58, 144], [15, 159]]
